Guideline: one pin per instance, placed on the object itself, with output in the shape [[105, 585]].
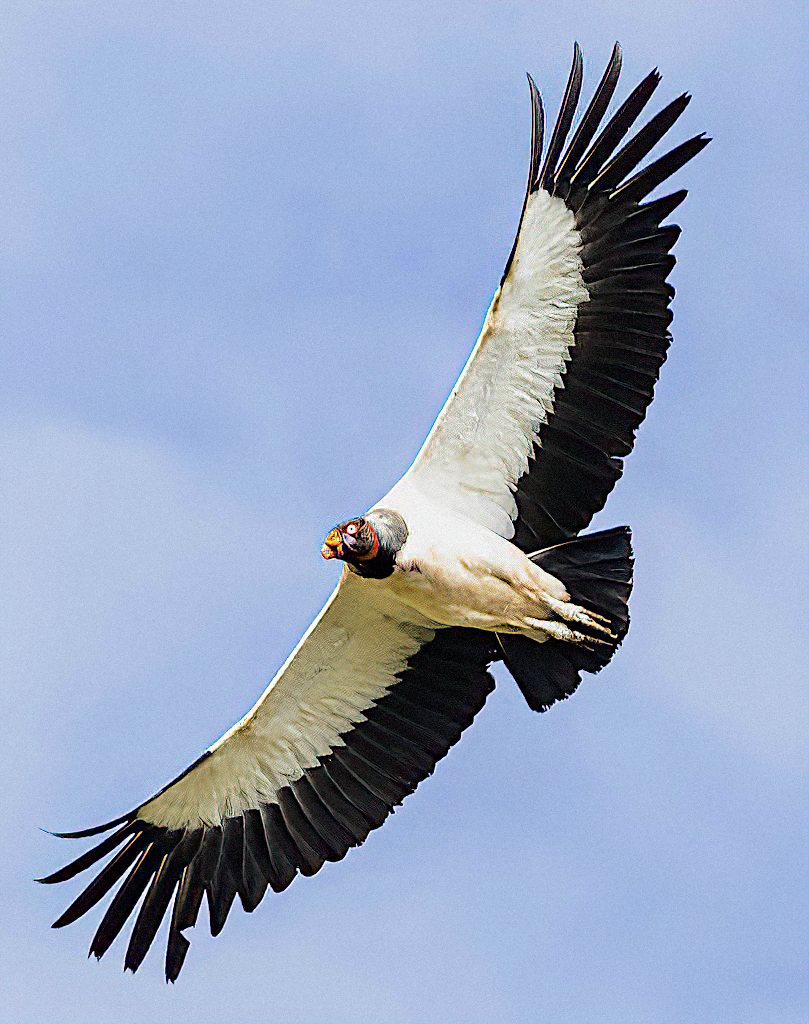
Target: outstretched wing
[[530, 441], [357, 717]]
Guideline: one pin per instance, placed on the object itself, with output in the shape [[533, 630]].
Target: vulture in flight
[[475, 556]]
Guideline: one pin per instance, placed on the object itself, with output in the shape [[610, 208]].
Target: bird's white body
[[457, 572]]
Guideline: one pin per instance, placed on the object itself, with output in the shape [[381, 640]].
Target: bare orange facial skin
[[357, 543], [333, 544]]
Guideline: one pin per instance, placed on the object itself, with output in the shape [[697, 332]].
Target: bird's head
[[368, 545]]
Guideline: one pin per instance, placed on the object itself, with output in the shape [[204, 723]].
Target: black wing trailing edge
[[316, 818], [621, 333]]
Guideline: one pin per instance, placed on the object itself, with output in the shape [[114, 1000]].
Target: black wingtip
[[537, 143], [175, 957], [537, 137], [589, 123], [564, 119], [95, 831]]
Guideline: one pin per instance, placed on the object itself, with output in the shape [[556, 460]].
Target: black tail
[[597, 572]]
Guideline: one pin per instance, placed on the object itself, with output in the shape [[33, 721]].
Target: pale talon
[[590, 640], [561, 631], [557, 630], [575, 613]]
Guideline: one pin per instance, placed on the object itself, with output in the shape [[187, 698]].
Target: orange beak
[[333, 545]]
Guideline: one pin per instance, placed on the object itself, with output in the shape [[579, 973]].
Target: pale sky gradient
[[247, 248]]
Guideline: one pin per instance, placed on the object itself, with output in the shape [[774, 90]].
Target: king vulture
[[473, 557]]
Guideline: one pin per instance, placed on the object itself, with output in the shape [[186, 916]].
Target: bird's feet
[[561, 631], [575, 613]]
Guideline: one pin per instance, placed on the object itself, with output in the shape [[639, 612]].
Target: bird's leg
[[560, 631], [575, 613]]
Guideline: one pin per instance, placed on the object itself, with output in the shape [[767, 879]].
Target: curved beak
[[333, 545]]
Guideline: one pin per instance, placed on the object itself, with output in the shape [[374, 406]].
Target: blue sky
[[247, 248]]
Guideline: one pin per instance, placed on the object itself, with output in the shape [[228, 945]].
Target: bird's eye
[[351, 528]]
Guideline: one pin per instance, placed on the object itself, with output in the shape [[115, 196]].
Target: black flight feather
[[615, 129], [125, 899], [537, 140], [591, 120], [154, 906], [104, 881], [564, 120], [95, 854], [280, 846]]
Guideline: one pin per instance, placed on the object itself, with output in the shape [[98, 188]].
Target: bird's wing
[[360, 713], [531, 439]]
